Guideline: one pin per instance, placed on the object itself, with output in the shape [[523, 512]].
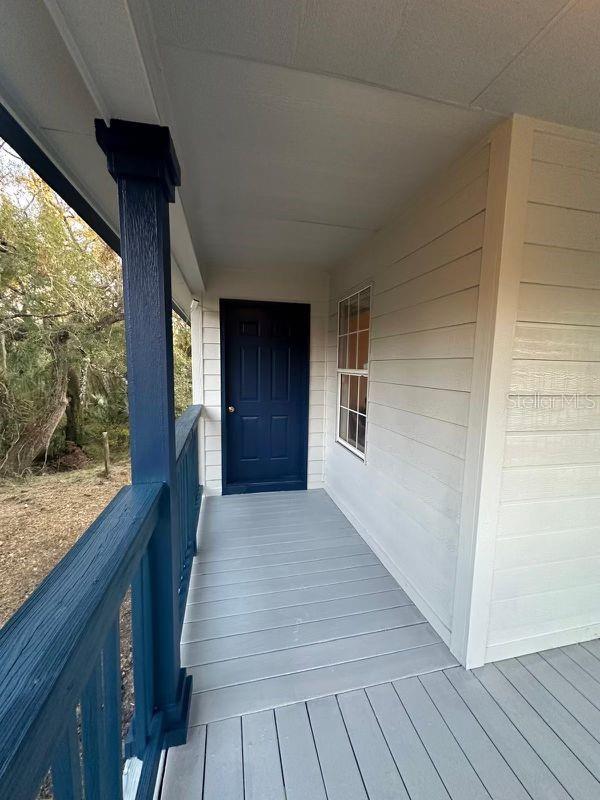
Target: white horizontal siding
[[433, 373], [443, 312], [451, 342], [546, 588], [447, 437], [406, 496], [446, 405], [558, 266], [463, 273], [545, 448]]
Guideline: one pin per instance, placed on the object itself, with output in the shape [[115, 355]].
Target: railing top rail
[[183, 427], [49, 647]]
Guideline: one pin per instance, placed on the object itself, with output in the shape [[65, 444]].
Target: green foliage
[[57, 275], [182, 360]]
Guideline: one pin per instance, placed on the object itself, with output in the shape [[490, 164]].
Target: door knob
[[231, 409]]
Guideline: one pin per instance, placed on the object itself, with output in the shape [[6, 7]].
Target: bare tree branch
[[23, 315]]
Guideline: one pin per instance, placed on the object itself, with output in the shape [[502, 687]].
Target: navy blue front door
[[265, 352]]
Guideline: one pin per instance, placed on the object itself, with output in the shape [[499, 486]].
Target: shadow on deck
[[316, 677]]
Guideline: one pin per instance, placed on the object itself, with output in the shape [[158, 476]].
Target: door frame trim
[[224, 305]]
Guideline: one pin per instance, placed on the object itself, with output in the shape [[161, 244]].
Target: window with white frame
[[354, 319]]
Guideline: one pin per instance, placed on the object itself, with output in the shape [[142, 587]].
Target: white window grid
[[353, 378]]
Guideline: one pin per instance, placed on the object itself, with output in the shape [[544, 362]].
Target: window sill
[[350, 449]]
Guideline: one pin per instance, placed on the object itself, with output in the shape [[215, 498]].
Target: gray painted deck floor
[[315, 677]]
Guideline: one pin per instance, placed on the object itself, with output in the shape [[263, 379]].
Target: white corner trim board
[[510, 160]]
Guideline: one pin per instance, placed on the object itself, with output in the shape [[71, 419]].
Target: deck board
[[224, 770], [268, 585], [375, 762], [414, 763], [223, 554], [299, 759], [239, 577], [276, 559], [316, 678], [263, 779], [185, 773], [341, 774]]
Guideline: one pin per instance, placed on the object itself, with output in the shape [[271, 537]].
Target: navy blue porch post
[[142, 160]]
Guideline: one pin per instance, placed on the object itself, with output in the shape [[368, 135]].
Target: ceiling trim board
[[62, 26], [531, 43], [337, 76]]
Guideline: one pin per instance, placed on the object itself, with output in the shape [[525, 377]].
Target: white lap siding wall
[[546, 582], [312, 288], [406, 497]]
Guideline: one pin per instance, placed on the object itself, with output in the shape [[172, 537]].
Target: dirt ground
[[41, 517]]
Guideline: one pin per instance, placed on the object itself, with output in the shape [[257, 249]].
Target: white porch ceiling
[[300, 124], [286, 168]]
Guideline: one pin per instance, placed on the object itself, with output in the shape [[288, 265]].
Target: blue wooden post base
[[142, 160]]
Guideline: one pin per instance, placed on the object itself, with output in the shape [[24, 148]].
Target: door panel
[[265, 351]]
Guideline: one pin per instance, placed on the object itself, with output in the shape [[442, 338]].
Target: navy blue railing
[[189, 494], [60, 679]]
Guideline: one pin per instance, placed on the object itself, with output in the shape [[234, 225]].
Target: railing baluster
[[143, 672], [93, 735], [111, 673], [182, 519], [182, 488], [66, 765], [186, 491], [195, 486]]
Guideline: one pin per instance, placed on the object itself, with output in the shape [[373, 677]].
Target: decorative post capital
[[139, 150]]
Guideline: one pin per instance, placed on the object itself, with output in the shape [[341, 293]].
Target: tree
[[61, 333]]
